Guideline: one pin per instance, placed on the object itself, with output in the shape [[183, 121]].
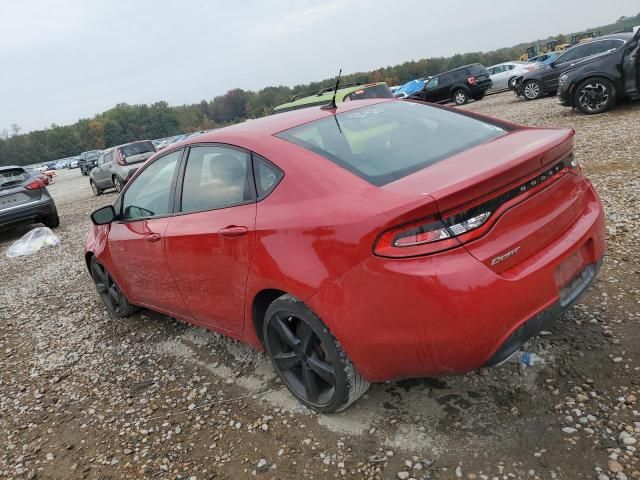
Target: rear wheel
[[595, 95], [117, 183], [460, 97], [52, 220], [308, 359], [109, 292], [532, 90], [96, 191]]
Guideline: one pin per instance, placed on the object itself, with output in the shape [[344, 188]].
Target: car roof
[[270, 125]]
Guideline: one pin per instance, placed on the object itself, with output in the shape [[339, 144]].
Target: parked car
[[345, 93], [503, 75], [117, 165], [24, 199], [457, 85], [543, 81], [88, 160], [598, 83], [382, 240]]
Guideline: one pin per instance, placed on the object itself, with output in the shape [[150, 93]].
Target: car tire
[[309, 360], [460, 97], [511, 84], [117, 304], [117, 183], [96, 191], [532, 90], [595, 95], [52, 220]]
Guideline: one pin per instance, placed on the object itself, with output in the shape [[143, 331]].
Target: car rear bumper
[[449, 313], [28, 213]]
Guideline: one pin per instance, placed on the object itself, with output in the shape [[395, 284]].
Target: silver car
[[24, 199], [504, 74], [117, 165]]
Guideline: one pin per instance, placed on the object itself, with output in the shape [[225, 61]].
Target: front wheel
[[595, 95], [460, 97], [118, 184], [308, 359], [532, 90], [109, 292], [96, 191], [512, 83]]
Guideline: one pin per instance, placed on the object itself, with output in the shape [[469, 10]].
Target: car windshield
[[384, 142], [13, 176], [137, 148]]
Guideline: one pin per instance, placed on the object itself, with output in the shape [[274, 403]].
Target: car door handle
[[152, 237], [233, 231]]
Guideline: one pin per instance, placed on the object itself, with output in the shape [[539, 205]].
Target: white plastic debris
[[33, 241]]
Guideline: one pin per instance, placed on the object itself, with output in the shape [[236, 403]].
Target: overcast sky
[[61, 60]]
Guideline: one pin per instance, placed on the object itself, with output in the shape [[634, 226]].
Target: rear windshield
[[137, 148], [92, 154], [475, 69], [384, 142], [13, 176], [374, 91]]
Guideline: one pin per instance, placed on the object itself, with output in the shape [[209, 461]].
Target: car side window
[[149, 194], [108, 157], [267, 176], [431, 84], [573, 54], [100, 160], [216, 177]]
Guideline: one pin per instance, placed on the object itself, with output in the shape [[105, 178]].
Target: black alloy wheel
[[310, 362], [109, 292]]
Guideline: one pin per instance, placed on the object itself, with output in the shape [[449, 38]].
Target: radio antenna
[[332, 104]]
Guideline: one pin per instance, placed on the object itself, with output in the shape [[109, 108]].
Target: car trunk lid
[[521, 178], [12, 188]]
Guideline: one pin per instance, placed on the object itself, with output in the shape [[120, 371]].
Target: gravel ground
[[83, 395]]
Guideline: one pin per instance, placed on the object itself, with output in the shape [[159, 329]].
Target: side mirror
[[104, 215]]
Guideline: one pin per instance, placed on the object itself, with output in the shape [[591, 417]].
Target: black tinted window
[[13, 176], [384, 142], [137, 148], [216, 177], [267, 176], [375, 91], [150, 193]]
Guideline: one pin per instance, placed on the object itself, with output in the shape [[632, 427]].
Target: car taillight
[[431, 235], [35, 184], [428, 236], [120, 159], [472, 80]]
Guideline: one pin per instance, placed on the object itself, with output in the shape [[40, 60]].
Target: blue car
[[410, 88]]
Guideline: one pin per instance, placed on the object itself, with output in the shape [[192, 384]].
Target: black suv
[[459, 85], [544, 80], [596, 85]]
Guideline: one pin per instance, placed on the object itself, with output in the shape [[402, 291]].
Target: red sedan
[[379, 240]]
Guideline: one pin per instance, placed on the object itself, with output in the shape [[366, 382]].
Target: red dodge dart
[[373, 241]]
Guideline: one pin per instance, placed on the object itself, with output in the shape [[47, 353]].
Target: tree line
[[125, 123]]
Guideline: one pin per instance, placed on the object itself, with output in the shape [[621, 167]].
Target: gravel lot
[[83, 395]]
